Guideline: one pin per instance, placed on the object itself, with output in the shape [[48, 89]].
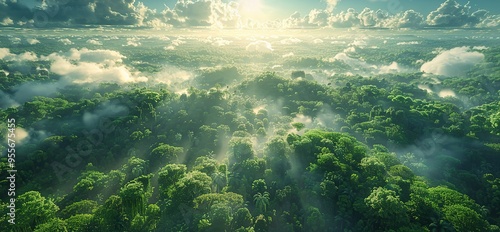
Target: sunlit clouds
[[454, 62], [218, 14]]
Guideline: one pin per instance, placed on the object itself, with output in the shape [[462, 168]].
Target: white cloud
[[356, 64], [317, 41], [350, 18], [407, 19], [359, 66], [446, 93], [408, 43], [26, 56], [178, 42], [216, 41], [4, 52], [74, 67], [21, 134], [358, 43], [425, 88], [169, 48], [338, 42], [318, 17], [132, 43], [226, 14], [291, 40], [371, 18], [7, 22], [288, 55], [92, 72], [292, 21], [219, 42], [173, 75], [90, 66], [454, 62], [480, 48], [94, 42], [347, 18], [331, 4], [32, 41], [491, 21], [100, 12], [213, 13], [392, 68], [157, 24], [451, 14], [164, 38], [66, 41], [350, 50], [259, 46], [103, 56]]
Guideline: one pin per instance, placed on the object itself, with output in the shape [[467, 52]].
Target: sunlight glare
[[251, 8]]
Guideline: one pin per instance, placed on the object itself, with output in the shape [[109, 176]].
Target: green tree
[[219, 180], [34, 209], [373, 171], [164, 154], [206, 165], [277, 154], [441, 225], [495, 123], [261, 201], [385, 210], [110, 216], [89, 184], [241, 150], [261, 224], [242, 218], [54, 225], [465, 219], [79, 207], [259, 186], [135, 167], [148, 221], [192, 185], [134, 198], [220, 217], [443, 196], [79, 222], [168, 176], [314, 220]]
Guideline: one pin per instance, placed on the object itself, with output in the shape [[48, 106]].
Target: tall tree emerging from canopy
[[261, 201]]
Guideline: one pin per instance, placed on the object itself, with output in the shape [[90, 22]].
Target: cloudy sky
[[253, 13], [287, 7]]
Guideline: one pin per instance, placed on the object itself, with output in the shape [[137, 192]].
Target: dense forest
[[269, 153]]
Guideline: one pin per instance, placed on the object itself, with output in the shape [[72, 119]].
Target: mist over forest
[[132, 119]]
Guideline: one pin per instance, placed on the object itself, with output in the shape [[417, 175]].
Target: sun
[[251, 7]]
